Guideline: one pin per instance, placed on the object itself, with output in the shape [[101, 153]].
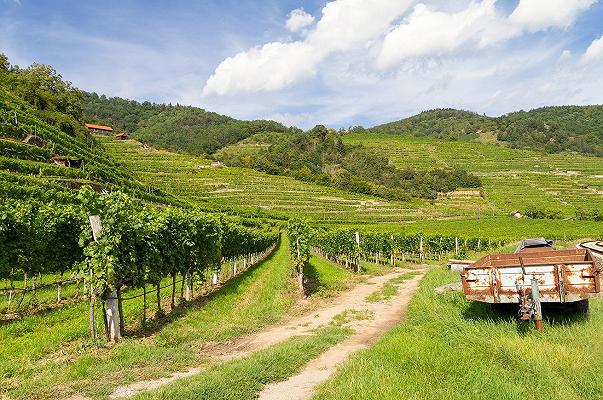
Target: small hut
[[121, 136], [92, 128]]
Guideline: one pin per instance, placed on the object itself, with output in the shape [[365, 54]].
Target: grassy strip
[[370, 268], [390, 288], [453, 349], [404, 277], [244, 379], [49, 356], [386, 292], [324, 279]]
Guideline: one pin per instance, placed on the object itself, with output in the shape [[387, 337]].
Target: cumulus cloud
[[344, 25], [431, 32], [535, 15], [594, 52], [298, 20], [270, 67]]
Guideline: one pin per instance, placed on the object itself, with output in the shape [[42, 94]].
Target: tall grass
[[450, 348]]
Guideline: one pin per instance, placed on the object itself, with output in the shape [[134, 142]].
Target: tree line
[[56, 101]]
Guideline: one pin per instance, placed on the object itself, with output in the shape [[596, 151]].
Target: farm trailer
[[534, 275]]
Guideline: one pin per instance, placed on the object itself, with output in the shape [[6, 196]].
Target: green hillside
[[180, 128], [552, 129], [319, 156], [44, 149], [513, 179]]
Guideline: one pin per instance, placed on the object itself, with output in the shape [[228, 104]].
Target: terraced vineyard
[[195, 180], [513, 179]]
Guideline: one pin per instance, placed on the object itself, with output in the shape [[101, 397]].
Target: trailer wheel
[[580, 307]]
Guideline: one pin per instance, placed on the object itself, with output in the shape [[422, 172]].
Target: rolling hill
[[552, 129]]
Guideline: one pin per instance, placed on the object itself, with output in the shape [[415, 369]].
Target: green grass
[[390, 288], [385, 293], [370, 268], [45, 297], [244, 379], [352, 315], [449, 349], [404, 277], [324, 279], [48, 355]]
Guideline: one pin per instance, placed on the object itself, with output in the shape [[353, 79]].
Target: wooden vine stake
[[188, 294], [392, 260], [300, 272], [358, 244], [112, 321]]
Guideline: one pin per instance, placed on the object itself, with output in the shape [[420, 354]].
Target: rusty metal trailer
[[534, 275]]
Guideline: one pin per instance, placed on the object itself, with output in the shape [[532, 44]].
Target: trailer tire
[[580, 307]]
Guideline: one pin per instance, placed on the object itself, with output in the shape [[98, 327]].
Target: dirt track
[[385, 315]]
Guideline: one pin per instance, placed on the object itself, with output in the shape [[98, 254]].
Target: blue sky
[[339, 62]]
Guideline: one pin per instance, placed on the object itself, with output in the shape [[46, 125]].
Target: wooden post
[[214, 277], [97, 229], [59, 288], [91, 313], [120, 310], [456, 245], [300, 271], [358, 244], [421, 255], [113, 320], [173, 302], [188, 293], [392, 261]]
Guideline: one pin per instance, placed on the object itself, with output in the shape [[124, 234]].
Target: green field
[[513, 179]]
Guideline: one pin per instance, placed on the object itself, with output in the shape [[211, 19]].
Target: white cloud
[[298, 20], [431, 32], [535, 15], [594, 52], [270, 67], [344, 25]]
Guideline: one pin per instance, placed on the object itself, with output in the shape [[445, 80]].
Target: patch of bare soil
[[384, 315]]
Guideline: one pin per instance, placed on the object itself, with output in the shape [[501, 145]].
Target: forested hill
[[553, 129], [181, 128]]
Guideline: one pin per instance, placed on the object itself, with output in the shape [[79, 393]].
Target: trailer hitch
[[530, 306]]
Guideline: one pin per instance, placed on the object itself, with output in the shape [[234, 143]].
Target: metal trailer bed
[[532, 276]]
